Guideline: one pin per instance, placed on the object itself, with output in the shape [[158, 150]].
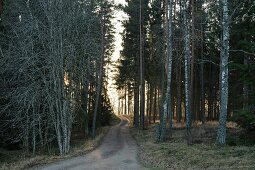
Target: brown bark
[[141, 71], [192, 75]]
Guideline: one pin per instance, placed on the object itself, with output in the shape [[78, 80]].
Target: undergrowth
[[16, 160], [203, 154]]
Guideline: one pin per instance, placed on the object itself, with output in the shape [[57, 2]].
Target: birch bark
[[167, 103], [187, 71], [221, 134]]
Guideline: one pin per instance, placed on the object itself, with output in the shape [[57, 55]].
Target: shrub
[[244, 119]]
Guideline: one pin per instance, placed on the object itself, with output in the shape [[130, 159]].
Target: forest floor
[[118, 151], [20, 159], [175, 154]]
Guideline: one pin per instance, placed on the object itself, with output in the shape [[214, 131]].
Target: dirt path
[[117, 152]]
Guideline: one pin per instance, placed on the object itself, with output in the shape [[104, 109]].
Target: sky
[[119, 16]]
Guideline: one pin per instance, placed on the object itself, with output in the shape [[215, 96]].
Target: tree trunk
[[202, 79], [118, 112], [151, 102], [125, 100], [155, 105], [136, 101], [84, 105], [179, 93], [142, 82], [210, 91], [187, 73], [128, 104], [192, 87], [167, 106], [245, 89], [221, 135], [99, 81]]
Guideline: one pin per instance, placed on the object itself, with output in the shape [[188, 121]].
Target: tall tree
[[167, 107], [221, 134], [133, 57], [141, 62], [187, 70], [49, 59]]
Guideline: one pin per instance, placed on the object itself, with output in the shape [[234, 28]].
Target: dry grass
[[15, 160], [175, 154]]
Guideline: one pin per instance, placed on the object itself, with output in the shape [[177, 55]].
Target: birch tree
[[167, 108], [221, 134], [187, 69], [44, 50]]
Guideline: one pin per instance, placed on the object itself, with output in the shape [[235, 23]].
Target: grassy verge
[[14, 160], [175, 154]]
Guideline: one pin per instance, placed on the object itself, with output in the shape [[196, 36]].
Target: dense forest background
[[183, 61], [188, 61], [52, 59]]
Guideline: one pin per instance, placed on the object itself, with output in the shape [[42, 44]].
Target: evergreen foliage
[[205, 26]]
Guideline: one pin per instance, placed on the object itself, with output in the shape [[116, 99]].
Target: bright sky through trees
[[119, 16]]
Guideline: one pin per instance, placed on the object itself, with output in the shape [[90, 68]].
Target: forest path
[[117, 152]]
